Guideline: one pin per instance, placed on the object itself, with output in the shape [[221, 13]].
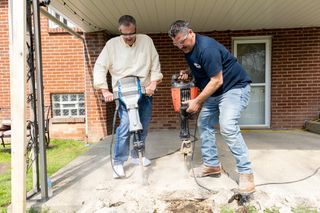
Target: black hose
[[258, 185], [112, 140], [289, 182], [170, 153], [112, 137], [192, 159]]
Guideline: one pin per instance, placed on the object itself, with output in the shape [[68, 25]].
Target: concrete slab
[[286, 165]]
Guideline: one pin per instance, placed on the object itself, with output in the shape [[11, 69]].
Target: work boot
[[118, 171], [145, 161], [246, 183], [203, 171]]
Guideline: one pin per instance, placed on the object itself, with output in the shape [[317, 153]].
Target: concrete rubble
[[287, 157]]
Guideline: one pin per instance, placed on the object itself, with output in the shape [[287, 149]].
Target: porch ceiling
[[155, 16]]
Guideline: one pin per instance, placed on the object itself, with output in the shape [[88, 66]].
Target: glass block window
[[64, 20], [68, 105]]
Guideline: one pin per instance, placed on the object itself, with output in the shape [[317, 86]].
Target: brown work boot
[[246, 183], [203, 171]]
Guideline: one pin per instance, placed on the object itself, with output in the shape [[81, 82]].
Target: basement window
[[68, 106], [58, 16]]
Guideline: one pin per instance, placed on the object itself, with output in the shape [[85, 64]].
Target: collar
[[127, 45]]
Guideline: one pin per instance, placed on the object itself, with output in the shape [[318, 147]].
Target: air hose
[[112, 137]]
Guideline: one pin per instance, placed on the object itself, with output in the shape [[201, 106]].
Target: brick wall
[[99, 114], [68, 66], [63, 72], [295, 75], [295, 72], [4, 65]]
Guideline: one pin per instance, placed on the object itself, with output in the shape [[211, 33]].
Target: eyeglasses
[[181, 42], [128, 35]]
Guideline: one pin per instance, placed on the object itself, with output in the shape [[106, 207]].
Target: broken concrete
[[286, 165]]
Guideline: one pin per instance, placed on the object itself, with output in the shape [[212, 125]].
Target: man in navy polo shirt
[[225, 93]]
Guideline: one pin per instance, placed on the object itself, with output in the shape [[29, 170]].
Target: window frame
[[267, 40], [77, 102], [61, 18]]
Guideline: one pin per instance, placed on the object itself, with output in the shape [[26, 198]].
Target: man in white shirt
[[129, 54]]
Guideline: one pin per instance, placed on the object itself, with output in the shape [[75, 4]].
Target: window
[[254, 53], [64, 20], [68, 105]]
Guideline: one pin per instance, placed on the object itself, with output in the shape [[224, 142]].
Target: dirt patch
[[4, 167], [188, 206]]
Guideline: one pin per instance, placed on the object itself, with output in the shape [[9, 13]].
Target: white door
[[254, 54]]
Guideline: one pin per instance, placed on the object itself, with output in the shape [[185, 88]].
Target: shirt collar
[[127, 45]]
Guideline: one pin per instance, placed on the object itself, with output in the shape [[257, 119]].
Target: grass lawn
[[59, 153]]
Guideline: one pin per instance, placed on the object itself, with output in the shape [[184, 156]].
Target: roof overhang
[[155, 16]]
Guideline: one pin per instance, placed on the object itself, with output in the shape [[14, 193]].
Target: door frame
[[267, 41]]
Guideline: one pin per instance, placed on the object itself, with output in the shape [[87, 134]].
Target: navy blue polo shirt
[[207, 58]]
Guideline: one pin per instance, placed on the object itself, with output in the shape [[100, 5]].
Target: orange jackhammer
[[182, 91]]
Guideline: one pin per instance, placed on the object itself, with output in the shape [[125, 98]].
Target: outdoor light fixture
[[44, 3]]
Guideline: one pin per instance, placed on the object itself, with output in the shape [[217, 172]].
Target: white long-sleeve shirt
[[121, 60]]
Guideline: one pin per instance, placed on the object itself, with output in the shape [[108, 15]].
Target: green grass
[[225, 209], [251, 209], [272, 210], [4, 155], [304, 209], [59, 153]]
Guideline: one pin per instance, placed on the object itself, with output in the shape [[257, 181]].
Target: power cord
[[170, 153], [192, 159], [112, 141], [258, 185], [289, 182], [112, 137]]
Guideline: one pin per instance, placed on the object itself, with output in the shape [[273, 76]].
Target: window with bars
[[68, 105]]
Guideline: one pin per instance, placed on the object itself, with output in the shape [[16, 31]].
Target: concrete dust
[[86, 184], [169, 189]]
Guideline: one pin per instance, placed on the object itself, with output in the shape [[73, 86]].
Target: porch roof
[[155, 16]]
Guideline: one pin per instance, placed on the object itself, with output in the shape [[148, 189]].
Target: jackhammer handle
[[178, 77], [116, 94], [104, 100]]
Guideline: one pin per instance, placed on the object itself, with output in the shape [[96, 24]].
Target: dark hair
[[126, 20], [177, 27]]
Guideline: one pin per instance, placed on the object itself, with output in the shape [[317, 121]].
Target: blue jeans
[[122, 145], [224, 110]]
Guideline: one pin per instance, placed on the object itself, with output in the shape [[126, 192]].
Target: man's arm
[[150, 89], [214, 84], [155, 72], [100, 75], [108, 96]]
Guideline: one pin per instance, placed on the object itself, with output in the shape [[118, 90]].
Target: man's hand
[[151, 88], [184, 75], [193, 105], [108, 96]]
